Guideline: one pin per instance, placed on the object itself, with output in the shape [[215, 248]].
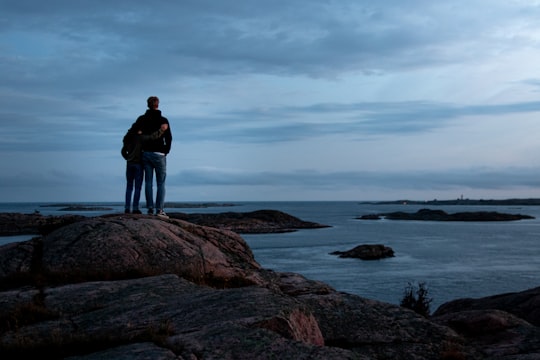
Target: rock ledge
[[139, 287]]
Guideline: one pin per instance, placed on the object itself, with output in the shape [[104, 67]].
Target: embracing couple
[[145, 148]]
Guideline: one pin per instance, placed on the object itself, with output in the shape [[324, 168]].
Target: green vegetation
[[417, 299]]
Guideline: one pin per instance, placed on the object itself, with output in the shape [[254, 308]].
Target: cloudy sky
[[274, 100]]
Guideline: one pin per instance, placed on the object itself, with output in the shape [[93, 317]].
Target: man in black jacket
[[132, 152], [154, 155]]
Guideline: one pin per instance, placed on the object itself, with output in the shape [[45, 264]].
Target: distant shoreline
[[91, 207], [523, 202]]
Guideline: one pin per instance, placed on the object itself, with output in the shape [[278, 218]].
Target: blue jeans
[[154, 162], [134, 179]]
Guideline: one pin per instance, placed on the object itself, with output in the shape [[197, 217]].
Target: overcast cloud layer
[[274, 100]]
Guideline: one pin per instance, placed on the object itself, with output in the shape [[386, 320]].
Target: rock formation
[[255, 222], [27, 224], [366, 252], [139, 287], [525, 305], [499, 326]]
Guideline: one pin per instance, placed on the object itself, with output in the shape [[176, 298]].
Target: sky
[[285, 100]]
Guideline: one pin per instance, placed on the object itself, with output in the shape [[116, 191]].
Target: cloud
[[363, 119], [314, 38], [286, 85], [470, 178]]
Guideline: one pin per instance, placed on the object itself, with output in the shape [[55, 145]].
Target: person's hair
[[152, 100]]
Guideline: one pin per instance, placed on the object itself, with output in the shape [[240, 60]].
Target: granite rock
[[140, 287]]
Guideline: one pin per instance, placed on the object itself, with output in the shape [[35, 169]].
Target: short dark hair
[[151, 101]]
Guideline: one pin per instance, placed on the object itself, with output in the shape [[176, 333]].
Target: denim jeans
[[154, 162], [134, 179]]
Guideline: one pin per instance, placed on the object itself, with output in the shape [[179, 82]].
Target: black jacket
[[133, 144], [149, 123]]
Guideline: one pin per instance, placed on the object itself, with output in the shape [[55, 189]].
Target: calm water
[[454, 259]]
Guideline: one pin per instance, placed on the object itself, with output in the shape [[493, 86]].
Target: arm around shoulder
[[155, 135], [167, 136]]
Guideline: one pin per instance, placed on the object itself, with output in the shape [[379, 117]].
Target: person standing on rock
[[154, 155], [132, 152]]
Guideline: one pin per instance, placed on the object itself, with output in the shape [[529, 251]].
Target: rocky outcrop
[[28, 224], [139, 287], [164, 289], [503, 326], [366, 252], [525, 305], [170, 316], [439, 215], [255, 222], [495, 334], [117, 247]]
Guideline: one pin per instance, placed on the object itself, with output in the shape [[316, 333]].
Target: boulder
[[366, 252], [495, 334], [504, 326], [524, 304], [120, 246]]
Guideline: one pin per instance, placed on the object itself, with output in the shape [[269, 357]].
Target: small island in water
[[101, 207], [460, 201], [439, 215], [426, 214]]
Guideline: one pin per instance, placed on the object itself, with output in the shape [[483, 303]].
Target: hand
[[164, 127]]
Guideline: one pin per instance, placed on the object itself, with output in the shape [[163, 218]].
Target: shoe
[[126, 211], [150, 211], [162, 214], [136, 211]]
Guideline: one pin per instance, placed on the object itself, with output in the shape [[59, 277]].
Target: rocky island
[[77, 207], [140, 287], [439, 215], [366, 252], [254, 222], [461, 201]]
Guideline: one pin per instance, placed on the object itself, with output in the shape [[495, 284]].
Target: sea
[[451, 259]]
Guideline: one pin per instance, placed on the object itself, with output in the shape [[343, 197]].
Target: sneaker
[[126, 211], [150, 211], [162, 214], [136, 211]]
